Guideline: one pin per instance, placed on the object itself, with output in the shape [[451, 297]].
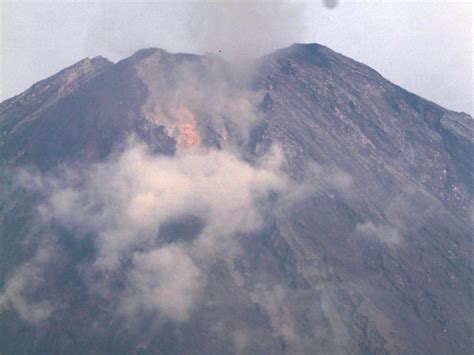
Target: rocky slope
[[371, 256]]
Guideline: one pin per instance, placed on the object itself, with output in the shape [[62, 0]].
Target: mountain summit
[[170, 204]]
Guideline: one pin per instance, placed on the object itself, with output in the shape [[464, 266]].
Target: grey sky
[[426, 47]]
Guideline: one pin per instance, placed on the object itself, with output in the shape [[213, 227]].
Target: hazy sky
[[426, 47]]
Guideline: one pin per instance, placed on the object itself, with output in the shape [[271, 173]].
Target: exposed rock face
[[375, 258], [412, 190]]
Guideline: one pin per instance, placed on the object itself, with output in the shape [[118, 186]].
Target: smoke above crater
[[236, 30], [245, 30]]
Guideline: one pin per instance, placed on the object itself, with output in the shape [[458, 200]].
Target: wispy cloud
[[123, 204], [19, 291]]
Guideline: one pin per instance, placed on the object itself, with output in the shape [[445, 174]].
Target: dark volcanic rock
[[377, 261]]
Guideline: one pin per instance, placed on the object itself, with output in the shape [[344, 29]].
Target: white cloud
[[165, 280], [274, 299], [383, 232], [19, 290], [124, 202], [401, 215], [329, 177]]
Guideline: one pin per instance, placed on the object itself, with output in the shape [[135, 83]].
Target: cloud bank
[[124, 203]]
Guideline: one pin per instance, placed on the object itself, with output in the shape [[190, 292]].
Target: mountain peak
[[146, 52]]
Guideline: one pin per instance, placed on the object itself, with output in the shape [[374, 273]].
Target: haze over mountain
[[170, 203]]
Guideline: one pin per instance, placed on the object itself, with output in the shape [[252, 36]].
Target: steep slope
[[371, 254], [412, 192], [23, 109], [85, 109]]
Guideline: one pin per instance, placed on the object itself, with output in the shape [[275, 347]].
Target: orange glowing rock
[[188, 135]]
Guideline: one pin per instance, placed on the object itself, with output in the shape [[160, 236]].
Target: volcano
[[176, 203]]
